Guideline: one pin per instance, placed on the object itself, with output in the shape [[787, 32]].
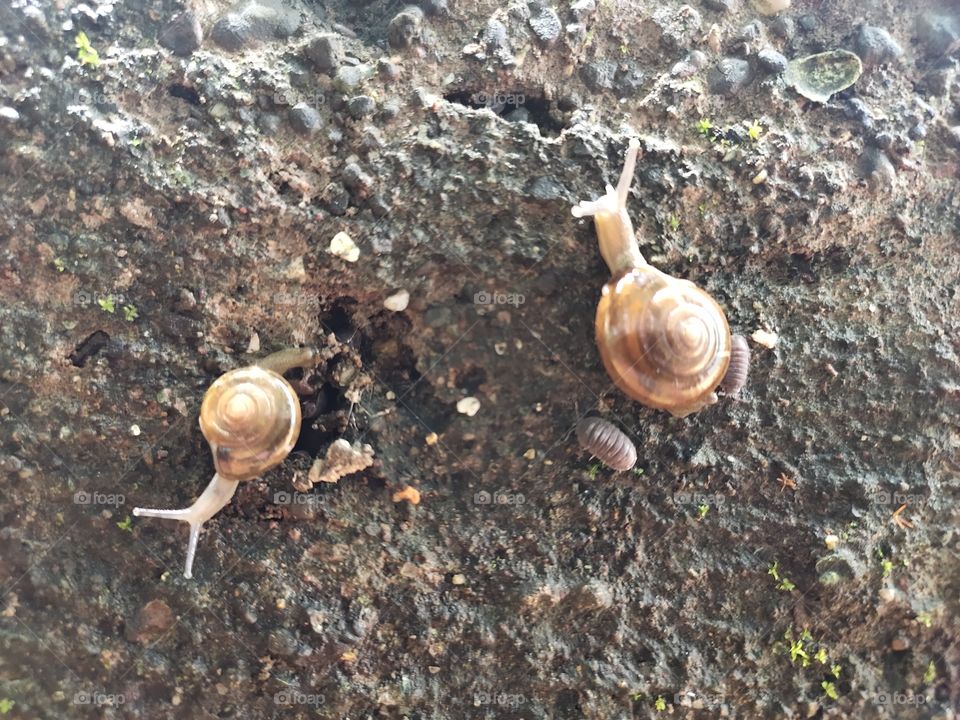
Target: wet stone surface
[[392, 186]]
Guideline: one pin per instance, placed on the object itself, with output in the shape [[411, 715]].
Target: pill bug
[[607, 442], [739, 368]]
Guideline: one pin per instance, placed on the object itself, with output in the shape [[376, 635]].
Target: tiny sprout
[[829, 689], [821, 656], [59, 264], [797, 651], [835, 670], [786, 585], [931, 673], [638, 471], [130, 313], [126, 524], [6, 705], [925, 619], [887, 565], [702, 510], [85, 51], [107, 304], [704, 126], [754, 130], [593, 470], [674, 223], [774, 570], [660, 704]]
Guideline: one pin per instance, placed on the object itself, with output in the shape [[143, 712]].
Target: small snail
[[664, 341], [251, 419], [607, 442]]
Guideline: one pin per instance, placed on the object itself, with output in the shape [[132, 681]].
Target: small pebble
[[729, 76], [398, 301], [468, 406], [406, 28], [875, 46], [599, 75], [546, 25], [343, 246], [304, 119], [765, 338], [9, 113], [151, 622], [182, 35], [771, 61], [432, 438], [831, 541], [408, 494], [771, 7], [325, 52], [458, 579], [361, 106]]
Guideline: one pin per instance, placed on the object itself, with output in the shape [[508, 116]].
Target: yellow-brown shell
[[251, 418], [664, 341]]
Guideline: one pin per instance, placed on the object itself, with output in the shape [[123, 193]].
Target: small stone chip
[[766, 338], [398, 301], [432, 438], [831, 541], [468, 406], [135, 430], [459, 579], [343, 246], [530, 454], [341, 459], [410, 494]]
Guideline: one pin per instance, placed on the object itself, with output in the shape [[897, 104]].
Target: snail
[[251, 419], [664, 341], [607, 442]]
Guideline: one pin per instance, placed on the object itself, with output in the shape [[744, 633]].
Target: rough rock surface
[[792, 553]]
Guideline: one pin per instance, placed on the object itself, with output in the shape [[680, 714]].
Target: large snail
[[251, 419], [664, 341]]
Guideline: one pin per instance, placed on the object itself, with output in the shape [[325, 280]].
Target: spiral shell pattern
[[664, 341], [251, 418]]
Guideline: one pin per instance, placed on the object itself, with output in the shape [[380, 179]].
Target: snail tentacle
[[211, 501], [618, 244]]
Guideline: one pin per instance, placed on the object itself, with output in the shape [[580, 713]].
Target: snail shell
[[251, 418], [664, 341], [736, 376], [607, 442]]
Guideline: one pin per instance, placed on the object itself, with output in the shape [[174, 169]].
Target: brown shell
[[607, 442], [739, 369], [664, 341], [251, 418]]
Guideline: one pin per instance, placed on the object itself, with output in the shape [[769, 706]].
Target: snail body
[[736, 376], [251, 419], [664, 341]]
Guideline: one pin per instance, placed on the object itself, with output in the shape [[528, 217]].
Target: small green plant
[[835, 670], [59, 264], [925, 619], [931, 673], [674, 223], [829, 689], [593, 470], [6, 705], [130, 313], [798, 653], [754, 130], [887, 565], [126, 524], [783, 583], [638, 471], [107, 304], [85, 51], [821, 656], [704, 126], [660, 704], [702, 510]]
